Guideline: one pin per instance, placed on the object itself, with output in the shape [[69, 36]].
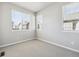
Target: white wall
[[52, 28], [8, 36], [0, 24]]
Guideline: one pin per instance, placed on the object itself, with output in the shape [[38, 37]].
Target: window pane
[[20, 20], [77, 26], [68, 26], [39, 21], [71, 8], [16, 20], [26, 21]]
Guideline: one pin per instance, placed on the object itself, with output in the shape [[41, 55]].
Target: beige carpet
[[36, 48]]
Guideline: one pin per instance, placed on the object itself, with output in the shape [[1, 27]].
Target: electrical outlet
[[72, 42]]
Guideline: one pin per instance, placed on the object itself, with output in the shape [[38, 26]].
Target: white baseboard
[[59, 45], [43, 41], [5, 45]]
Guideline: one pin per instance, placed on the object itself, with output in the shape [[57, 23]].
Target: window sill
[[71, 31]]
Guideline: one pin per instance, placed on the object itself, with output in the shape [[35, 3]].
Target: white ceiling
[[33, 6]]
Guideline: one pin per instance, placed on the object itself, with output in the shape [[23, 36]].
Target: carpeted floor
[[37, 48]]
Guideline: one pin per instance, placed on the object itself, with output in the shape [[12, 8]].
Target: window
[[71, 17], [39, 21], [20, 20]]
